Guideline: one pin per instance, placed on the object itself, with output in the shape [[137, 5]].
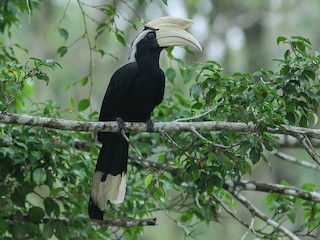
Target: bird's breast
[[140, 101]]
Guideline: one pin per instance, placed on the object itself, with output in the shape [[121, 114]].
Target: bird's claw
[[121, 124], [150, 125]]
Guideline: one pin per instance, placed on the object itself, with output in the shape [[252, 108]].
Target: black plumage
[[133, 92]]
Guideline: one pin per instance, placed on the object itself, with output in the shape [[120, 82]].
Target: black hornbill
[[133, 92]]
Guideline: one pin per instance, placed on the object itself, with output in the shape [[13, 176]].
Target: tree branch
[[232, 187], [304, 140], [117, 222], [292, 142], [71, 125], [122, 222], [273, 188], [255, 212], [232, 214], [291, 159], [241, 185]]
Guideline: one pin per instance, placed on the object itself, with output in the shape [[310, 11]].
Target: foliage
[[11, 11], [45, 174]]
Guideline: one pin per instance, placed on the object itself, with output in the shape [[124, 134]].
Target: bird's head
[[161, 33]]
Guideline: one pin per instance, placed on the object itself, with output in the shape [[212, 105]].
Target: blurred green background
[[240, 35]]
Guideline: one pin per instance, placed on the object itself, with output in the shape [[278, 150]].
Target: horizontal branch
[[116, 222], [294, 160], [241, 185], [273, 188], [292, 142], [123, 222], [111, 126]]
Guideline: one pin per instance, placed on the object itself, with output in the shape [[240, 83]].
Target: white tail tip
[[112, 189]]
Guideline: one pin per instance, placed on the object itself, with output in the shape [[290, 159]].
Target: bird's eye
[[151, 35]]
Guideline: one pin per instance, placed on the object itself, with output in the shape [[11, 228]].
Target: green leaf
[[290, 117], [68, 85], [62, 50], [120, 37], [72, 102], [4, 190], [270, 198], [315, 118], [281, 39], [195, 172], [63, 33], [47, 230], [165, 2], [83, 105], [39, 176], [20, 47], [84, 80], [197, 106], [186, 217], [187, 75], [148, 179], [61, 230], [196, 91], [255, 155], [171, 74], [286, 55], [303, 121], [36, 214], [244, 147], [311, 74], [51, 206], [292, 217], [3, 226], [310, 187], [19, 197]]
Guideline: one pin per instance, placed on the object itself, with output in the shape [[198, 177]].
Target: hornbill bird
[[133, 92]]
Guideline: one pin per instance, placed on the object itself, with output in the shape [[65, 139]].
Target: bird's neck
[[149, 61]]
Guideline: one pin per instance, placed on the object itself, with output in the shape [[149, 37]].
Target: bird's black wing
[[159, 96], [119, 86]]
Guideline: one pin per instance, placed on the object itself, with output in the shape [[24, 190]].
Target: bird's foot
[[121, 124], [260, 125], [150, 125]]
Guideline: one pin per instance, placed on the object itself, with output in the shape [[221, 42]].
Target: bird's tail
[[109, 178]]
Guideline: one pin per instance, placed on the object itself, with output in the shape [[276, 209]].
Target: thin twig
[[29, 10], [123, 133], [197, 134], [184, 228], [255, 212], [249, 229], [144, 163], [64, 15], [90, 47], [308, 146], [232, 214], [202, 114]]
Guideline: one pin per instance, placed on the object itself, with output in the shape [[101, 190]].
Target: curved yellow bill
[[171, 32]]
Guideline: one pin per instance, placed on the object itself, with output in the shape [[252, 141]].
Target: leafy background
[[46, 173]]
